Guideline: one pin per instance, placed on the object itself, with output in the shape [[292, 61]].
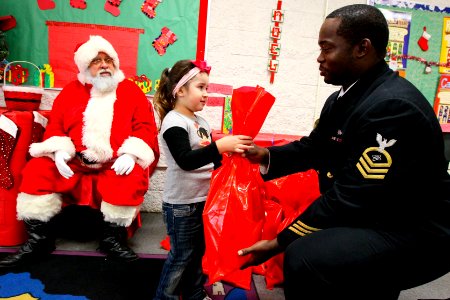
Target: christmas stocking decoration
[[423, 40], [149, 6], [8, 138], [37, 131], [112, 6], [39, 124], [80, 4], [46, 4], [166, 38]]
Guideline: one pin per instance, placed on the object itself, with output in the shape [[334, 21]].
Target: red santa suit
[[92, 127]]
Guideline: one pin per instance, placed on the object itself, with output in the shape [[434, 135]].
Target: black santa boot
[[40, 243], [114, 243]]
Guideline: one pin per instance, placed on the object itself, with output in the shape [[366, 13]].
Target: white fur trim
[[89, 50], [23, 89], [40, 119], [138, 148], [8, 126], [120, 215], [81, 78], [51, 145], [38, 207], [98, 118]]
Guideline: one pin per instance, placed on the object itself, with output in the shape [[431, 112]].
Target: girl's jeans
[[182, 272]]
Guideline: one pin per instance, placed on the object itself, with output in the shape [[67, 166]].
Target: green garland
[[422, 60], [3, 47]]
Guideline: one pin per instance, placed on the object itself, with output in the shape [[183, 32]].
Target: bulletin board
[[424, 37], [149, 35]]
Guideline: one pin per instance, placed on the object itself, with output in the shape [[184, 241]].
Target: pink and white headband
[[200, 66]]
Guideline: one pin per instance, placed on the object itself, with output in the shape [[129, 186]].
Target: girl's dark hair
[[360, 21], [163, 99]]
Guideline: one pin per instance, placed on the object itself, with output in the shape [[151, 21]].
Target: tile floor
[[147, 241]]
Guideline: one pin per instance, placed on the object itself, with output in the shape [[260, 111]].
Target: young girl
[[190, 154]]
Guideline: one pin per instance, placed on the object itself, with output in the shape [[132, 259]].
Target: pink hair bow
[[202, 65]]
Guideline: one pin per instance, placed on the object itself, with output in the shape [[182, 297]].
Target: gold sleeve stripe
[[307, 227], [301, 229], [296, 231], [298, 227]]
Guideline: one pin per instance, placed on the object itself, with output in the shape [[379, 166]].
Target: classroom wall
[[237, 49]]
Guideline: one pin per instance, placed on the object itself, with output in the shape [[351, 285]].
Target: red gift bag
[[273, 217], [294, 193], [234, 213]]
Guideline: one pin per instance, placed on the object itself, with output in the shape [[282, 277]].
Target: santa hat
[[86, 52]]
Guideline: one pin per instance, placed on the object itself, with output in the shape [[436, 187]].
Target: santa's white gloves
[[124, 164], [61, 159]]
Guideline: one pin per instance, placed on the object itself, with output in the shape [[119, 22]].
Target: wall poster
[[149, 35], [418, 57]]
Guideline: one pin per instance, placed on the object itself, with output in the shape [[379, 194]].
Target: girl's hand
[[234, 143]]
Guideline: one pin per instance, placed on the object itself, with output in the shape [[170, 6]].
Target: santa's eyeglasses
[[97, 61]]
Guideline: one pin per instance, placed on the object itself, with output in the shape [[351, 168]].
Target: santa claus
[[100, 142]]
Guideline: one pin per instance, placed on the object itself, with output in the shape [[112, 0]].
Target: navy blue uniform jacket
[[379, 153]]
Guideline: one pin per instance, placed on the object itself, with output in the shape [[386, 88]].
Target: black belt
[[84, 159]]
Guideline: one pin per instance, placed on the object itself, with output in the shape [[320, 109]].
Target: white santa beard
[[97, 117], [103, 84], [97, 124]]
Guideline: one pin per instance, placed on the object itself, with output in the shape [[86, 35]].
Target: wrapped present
[[17, 96], [142, 82], [47, 76], [17, 74]]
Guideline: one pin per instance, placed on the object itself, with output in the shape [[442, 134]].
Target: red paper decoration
[[274, 45], [423, 40], [80, 4], [46, 4], [112, 6], [124, 39], [166, 38], [149, 7]]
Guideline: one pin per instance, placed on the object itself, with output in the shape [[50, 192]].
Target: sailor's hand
[[257, 155], [260, 252]]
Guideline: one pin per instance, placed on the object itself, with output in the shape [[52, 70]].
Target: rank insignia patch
[[374, 163]]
